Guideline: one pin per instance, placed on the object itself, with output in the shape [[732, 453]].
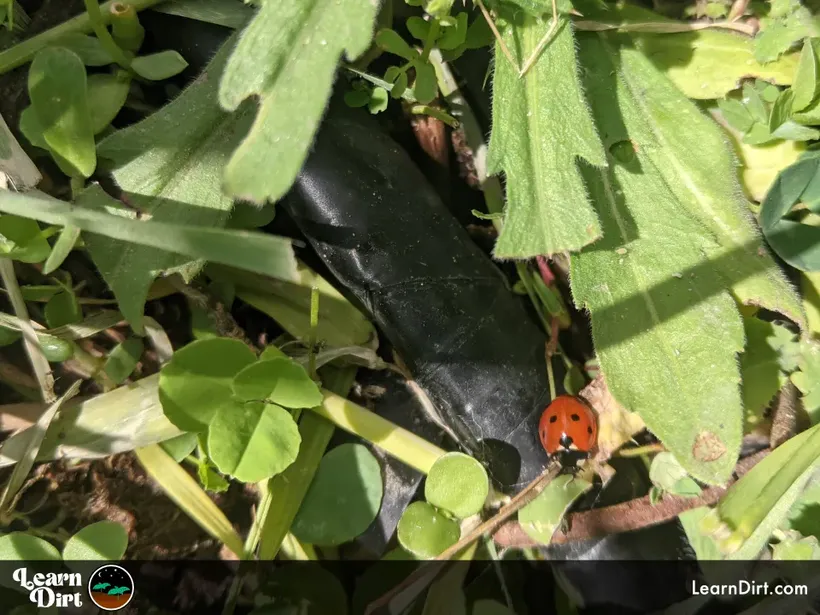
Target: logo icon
[[111, 587]]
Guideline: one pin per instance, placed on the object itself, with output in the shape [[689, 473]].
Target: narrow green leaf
[[760, 501], [63, 309], [123, 359], [189, 496], [666, 336], [689, 150], [252, 441], [62, 248], [288, 56], [349, 482], [88, 48], [548, 209], [228, 13], [58, 91], [807, 78], [197, 381], [252, 251], [458, 484], [181, 446], [170, 166], [102, 541], [106, 96], [159, 66]]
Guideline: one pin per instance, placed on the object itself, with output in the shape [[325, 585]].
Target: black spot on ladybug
[[589, 430], [565, 441], [575, 417], [553, 418]]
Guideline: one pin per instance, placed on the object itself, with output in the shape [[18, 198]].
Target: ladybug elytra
[[569, 431]]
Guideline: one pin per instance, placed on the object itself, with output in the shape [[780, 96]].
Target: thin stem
[[314, 327], [436, 113], [652, 27], [488, 18], [543, 42], [26, 50], [432, 35], [39, 363], [639, 451], [99, 26]]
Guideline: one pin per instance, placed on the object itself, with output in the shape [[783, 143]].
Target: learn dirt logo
[[111, 587]]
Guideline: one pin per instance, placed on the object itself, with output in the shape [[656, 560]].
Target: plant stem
[[404, 445], [653, 27], [39, 364], [100, 28], [25, 51], [314, 326]]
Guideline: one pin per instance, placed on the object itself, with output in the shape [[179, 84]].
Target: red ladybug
[[569, 431]]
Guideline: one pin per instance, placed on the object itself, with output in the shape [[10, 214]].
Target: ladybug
[[569, 431]]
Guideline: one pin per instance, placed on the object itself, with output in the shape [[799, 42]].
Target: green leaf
[[688, 150], [123, 359], [220, 12], [287, 56], [101, 541], [709, 63], [197, 381], [170, 166], [754, 102], [760, 501], [425, 86], [31, 128], [62, 248], [378, 100], [21, 239], [778, 34], [425, 532], [181, 446], [418, 27], [540, 518], [210, 479], [458, 484], [159, 66], [88, 48], [796, 548], [807, 379], [59, 97], [63, 309], [348, 482], [667, 346], [548, 209], [307, 589], [392, 42], [705, 546], [279, 380], [781, 124], [18, 546], [736, 114], [796, 243], [357, 98], [807, 78], [252, 251], [252, 441], [106, 96], [760, 368], [668, 475], [399, 85], [454, 36], [479, 34]]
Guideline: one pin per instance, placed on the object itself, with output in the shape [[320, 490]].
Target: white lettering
[[43, 597], [21, 576], [744, 587]]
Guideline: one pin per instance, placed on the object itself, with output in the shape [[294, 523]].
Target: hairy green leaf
[[288, 56], [690, 151], [548, 209], [778, 33], [666, 330], [59, 98]]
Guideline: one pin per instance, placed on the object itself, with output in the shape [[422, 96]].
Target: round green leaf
[[425, 532], [392, 42], [196, 382], [458, 484], [279, 380], [540, 518], [101, 541], [310, 588], [252, 441], [19, 546], [343, 499]]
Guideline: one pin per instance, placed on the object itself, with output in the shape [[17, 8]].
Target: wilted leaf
[[540, 518], [667, 474], [287, 56], [548, 209], [665, 330]]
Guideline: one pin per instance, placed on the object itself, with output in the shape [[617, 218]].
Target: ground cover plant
[[225, 335]]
